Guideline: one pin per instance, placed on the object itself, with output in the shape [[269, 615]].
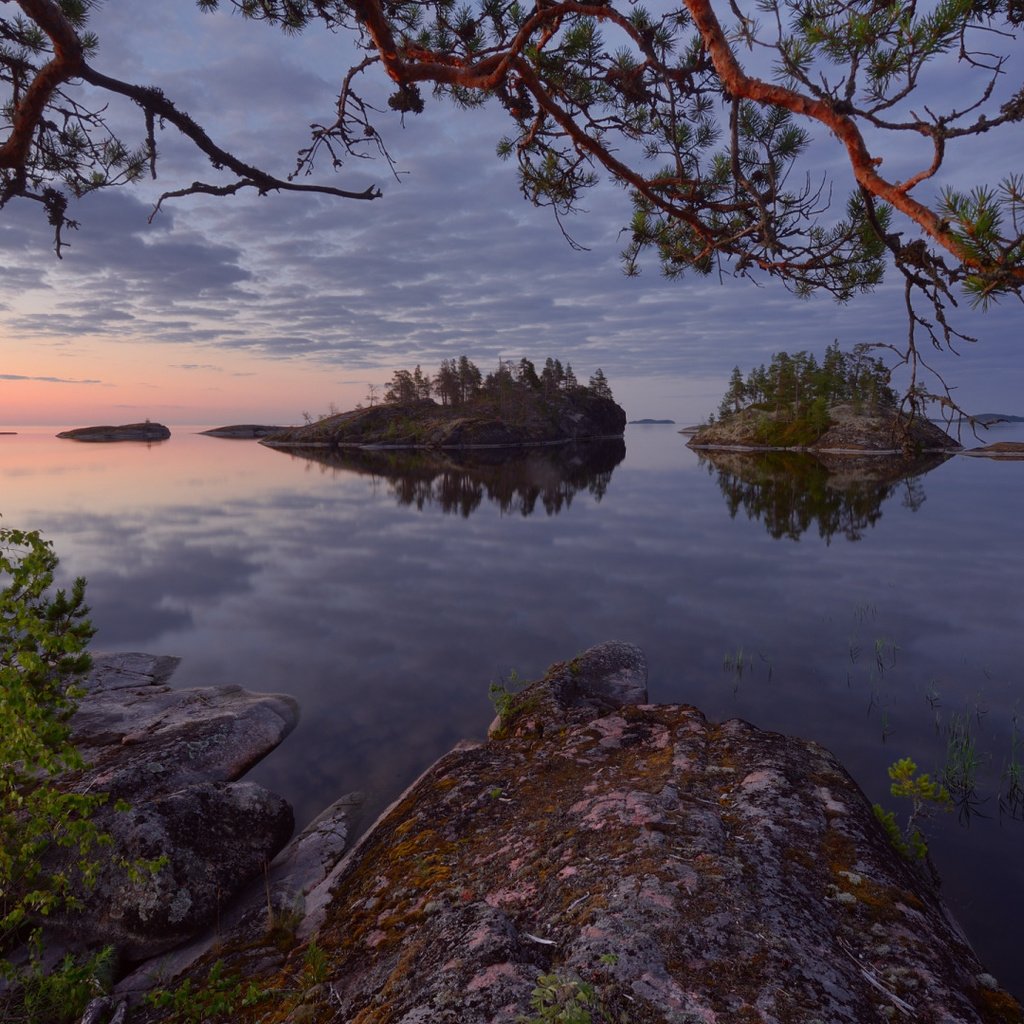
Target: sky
[[249, 309]]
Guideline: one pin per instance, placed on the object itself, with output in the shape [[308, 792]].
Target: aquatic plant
[[1011, 793], [960, 772]]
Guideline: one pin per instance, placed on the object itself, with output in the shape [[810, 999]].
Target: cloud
[[47, 380], [450, 260]]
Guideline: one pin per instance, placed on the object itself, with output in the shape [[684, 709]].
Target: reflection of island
[[791, 491], [459, 481]]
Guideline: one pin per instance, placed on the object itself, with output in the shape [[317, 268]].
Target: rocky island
[[1009, 450], [843, 405], [513, 406], [146, 431], [843, 428], [243, 431]]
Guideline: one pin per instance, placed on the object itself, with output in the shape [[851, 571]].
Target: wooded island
[[511, 406], [843, 403]]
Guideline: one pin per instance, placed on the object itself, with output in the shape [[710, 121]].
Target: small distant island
[[146, 431], [843, 404], [638, 422], [991, 419], [243, 431], [511, 406]]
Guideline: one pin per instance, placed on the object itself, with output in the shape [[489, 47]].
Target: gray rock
[[99, 1012], [610, 675], [144, 739], [173, 756], [213, 839], [311, 855], [273, 902]]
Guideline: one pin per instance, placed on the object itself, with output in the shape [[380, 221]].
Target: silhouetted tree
[[599, 384], [402, 387]]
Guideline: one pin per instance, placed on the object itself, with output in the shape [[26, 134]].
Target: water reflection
[[387, 623], [459, 481], [840, 494]]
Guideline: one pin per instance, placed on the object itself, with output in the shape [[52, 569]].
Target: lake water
[[883, 619]]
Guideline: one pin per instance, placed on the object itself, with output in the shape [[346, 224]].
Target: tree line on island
[[458, 381], [459, 406], [800, 386]]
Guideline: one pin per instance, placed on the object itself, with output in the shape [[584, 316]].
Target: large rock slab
[[142, 738], [174, 756], [687, 870]]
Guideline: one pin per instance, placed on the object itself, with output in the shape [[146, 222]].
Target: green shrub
[[219, 998], [925, 796], [561, 1000], [48, 839], [792, 433], [59, 995]]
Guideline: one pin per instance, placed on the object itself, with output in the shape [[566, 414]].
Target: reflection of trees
[[515, 480], [840, 494]]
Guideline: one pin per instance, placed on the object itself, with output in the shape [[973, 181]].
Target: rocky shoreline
[[177, 757], [847, 430], [682, 869]]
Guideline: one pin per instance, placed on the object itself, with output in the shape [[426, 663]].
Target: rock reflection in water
[[458, 481], [840, 494]]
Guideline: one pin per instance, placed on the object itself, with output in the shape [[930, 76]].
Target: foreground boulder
[[265, 914], [174, 756], [207, 839], [126, 432], [630, 861]]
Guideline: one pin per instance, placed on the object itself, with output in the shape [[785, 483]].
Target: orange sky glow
[[96, 380]]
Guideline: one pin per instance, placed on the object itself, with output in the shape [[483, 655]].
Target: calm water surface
[[877, 618]]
